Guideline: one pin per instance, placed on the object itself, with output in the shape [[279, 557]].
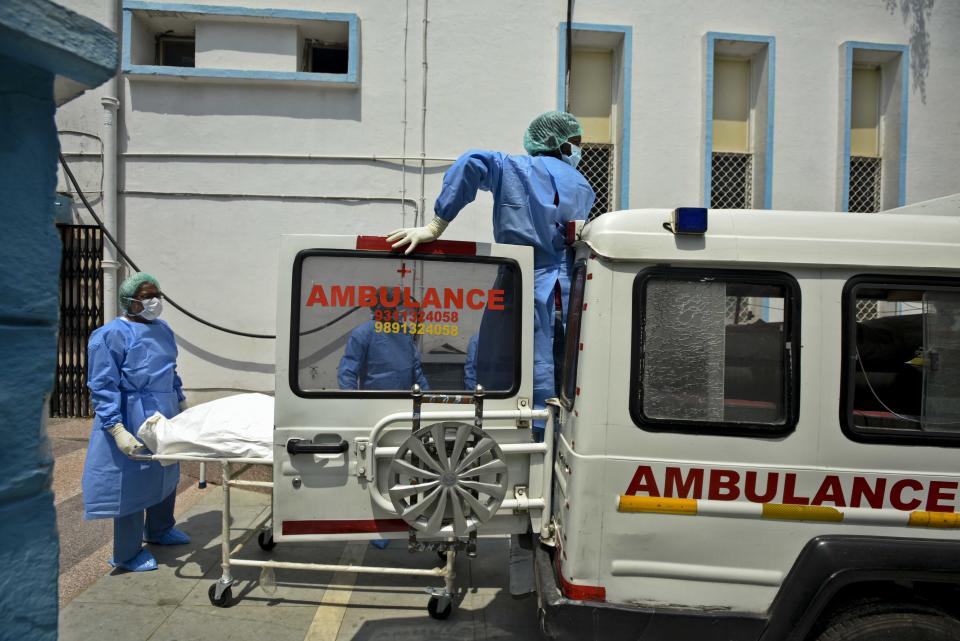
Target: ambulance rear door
[[359, 326]]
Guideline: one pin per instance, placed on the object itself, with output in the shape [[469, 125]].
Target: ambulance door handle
[[299, 446]]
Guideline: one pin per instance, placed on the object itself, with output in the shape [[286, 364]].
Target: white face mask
[[574, 158], [152, 307]]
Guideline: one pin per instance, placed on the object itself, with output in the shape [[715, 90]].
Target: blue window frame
[[771, 53], [266, 16], [899, 57]]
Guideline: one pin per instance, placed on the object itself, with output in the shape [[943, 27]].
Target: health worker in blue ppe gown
[[132, 373], [380, 360], [534, 197]]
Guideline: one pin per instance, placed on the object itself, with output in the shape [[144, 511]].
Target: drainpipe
[[110, 265], [108, 138], [423, 121]]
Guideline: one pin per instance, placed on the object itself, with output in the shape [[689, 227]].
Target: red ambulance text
[[370, 296], [719, 484]]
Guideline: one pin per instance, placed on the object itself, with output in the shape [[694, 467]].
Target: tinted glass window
[[715, 351], [380, 324], [572, 347], [903, 356]]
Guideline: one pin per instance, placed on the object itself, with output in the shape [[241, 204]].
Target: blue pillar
[[48, 55], [29, 269]]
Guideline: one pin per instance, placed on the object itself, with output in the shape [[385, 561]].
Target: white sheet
[[238, 426]]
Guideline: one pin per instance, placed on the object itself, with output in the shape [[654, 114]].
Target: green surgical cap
[[550, 130], [129, 287]]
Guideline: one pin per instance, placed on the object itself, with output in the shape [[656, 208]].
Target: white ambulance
[[756, 437]]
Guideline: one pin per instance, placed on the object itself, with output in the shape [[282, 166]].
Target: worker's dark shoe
[[173, 536], [142, 562]]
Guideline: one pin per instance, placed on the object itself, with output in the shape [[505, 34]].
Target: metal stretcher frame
[[220, 594]]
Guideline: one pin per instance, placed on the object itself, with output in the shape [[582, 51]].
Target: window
[[716, 351], [596, 88], [324, 57], [571, 356], [865, 161], [176, 51], [874, 108], [739, 122], [376, 324], [732, 162], [221, 43], [902, 360], [591, 101]]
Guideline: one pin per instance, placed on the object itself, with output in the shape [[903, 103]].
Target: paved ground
[[172, 603]]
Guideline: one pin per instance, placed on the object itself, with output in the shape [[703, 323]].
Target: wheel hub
[[448, 478]]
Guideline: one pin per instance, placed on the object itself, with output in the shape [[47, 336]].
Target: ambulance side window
[[374, 324], [571, 351], [902, 360], [715, 351]]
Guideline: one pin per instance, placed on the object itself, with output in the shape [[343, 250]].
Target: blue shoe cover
[[380, 544], [173, 536], [143, 562]]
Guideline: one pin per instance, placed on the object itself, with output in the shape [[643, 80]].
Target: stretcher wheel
[[265, 541], [433, 607], [225, 600], [448, 479]]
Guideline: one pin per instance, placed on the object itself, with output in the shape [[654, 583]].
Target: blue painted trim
[[771, 42], [158, 71], [50, 37], [904, 50], [221, 10], [623, 174]]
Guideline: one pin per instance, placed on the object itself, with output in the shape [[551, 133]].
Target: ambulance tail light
[[574, 227], [576, 592], [437, 247]]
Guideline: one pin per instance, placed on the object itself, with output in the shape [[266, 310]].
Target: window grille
[[731, 184], [81, 312], [864, 184], [597, 165], [867, 309]]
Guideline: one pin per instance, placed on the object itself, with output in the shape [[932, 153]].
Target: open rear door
[[359, 326]]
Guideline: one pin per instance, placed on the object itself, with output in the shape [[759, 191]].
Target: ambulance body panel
[[736, 509]]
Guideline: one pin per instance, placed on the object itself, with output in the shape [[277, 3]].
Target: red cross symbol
[[403, 271]]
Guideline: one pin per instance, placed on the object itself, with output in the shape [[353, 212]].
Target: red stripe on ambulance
[[445, 247], [293, 528]]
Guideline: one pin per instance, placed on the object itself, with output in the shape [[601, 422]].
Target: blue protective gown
[[380, 361], [534, 197], [470, 364], [131, 374]]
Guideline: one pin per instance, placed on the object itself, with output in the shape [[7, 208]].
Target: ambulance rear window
[[375, 324], [902, 365], [715, 351]]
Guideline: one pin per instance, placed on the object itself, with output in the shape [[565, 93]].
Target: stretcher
[[446, 541]]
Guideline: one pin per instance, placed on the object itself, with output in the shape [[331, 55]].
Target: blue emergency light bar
[[690, 220]]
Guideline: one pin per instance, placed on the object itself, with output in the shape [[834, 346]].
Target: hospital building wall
[[211, 173]]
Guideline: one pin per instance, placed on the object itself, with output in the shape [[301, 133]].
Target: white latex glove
[[416, 235], [125, 440]]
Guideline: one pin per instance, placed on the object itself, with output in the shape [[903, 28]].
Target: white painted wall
[[245, 45], [491, 69]]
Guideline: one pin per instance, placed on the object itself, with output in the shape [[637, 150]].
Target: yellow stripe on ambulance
[[783, 512]]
